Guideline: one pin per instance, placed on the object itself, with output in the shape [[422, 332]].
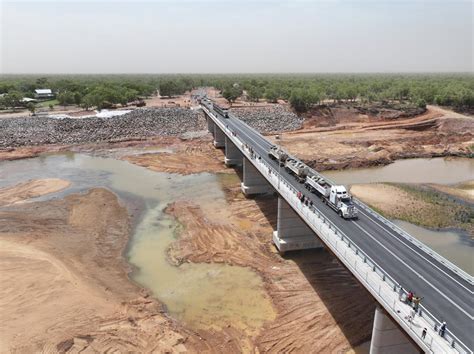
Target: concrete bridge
[[386, 260]]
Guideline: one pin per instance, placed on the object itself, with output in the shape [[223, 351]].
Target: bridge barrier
[[454, 268], [377, 281]]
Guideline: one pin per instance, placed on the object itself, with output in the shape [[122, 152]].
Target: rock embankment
[[139, 123], [272, 119]]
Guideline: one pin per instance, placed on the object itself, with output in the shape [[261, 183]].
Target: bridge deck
[[447, 294]]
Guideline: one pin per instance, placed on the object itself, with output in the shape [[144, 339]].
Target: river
[[200, 295]]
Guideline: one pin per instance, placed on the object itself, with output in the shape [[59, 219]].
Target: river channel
[[200, 295]]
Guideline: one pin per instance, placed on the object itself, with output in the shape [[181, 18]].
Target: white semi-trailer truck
[[297, 168], [278, 154], [334, 196]]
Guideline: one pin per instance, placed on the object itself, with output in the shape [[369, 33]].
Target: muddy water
[[454, 245], [437, 170], [201, 295]]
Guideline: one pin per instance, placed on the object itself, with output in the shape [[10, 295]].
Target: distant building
[[43, 93], [28, 100]]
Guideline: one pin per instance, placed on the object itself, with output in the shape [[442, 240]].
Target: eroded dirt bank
[[346, 139], [65, 286]]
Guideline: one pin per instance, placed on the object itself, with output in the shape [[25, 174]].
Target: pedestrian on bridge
[[423, 334], [442, 329], [416, 302], [410, 296]]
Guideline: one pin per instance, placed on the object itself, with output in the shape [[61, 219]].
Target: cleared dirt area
[[353, 140]]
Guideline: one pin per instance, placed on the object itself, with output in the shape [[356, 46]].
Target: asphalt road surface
[[445, 294]]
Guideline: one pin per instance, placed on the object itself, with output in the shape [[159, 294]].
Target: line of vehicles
[[213, 106], [335, 196]]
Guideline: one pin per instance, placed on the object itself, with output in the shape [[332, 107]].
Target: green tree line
[[301, 90]]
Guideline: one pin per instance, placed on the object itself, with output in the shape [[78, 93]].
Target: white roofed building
[[43, 93]]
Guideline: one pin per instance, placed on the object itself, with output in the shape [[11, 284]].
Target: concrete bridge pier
[[210, 125], [388, 338], [292, 232], [219, 137], [253, 181], [233, 156]]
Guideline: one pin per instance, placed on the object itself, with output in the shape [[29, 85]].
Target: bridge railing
[[382, 286], [454, 268]]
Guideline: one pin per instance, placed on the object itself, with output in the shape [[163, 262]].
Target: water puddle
[[201, 295], [436, 170]]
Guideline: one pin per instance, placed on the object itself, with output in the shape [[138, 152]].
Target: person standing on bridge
[[410, 296], [416, 302], [442, 329], [423, 334]]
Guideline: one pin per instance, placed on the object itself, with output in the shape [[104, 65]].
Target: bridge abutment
[[253, 181], [388, 338], [292, 232], [233, 156], [219, 137]]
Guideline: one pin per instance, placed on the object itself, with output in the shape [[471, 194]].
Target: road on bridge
[[445, 294]]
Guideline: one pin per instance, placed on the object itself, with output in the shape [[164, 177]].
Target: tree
[[231, 94], [254, 93], [300, 100], [31, 107], [271, 94], [12, 99], [168, 88], [66, 98], [88, 101], [77, 98]]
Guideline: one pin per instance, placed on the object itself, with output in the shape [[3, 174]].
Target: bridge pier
[[210, 125], [292, 232], [388, 338], [253, 181], [219, 137], [233, 156]]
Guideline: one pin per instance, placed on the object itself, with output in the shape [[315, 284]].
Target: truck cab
[[342, 201]]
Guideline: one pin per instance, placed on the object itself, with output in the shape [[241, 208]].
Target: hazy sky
[[197, 36]]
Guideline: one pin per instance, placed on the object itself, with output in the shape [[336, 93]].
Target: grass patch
[[428, 207], [46, 104]]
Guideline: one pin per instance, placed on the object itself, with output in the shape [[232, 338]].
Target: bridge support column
[[210, 125], [219, 137], [292, 232], [388, 338], [233, 156], [254, 182]]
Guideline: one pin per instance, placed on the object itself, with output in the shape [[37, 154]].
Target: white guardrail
[[378, 282], [454, 268]]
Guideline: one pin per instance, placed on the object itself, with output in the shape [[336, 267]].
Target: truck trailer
[[278, 154], [335, 196], [297, 169]]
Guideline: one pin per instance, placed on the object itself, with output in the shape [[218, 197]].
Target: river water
[[200, 295], [436, 170], [455, 245]]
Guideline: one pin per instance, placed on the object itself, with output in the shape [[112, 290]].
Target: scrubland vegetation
[[300, 90]]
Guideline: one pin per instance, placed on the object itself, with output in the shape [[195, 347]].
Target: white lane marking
[[416, 251], [401, 261]]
